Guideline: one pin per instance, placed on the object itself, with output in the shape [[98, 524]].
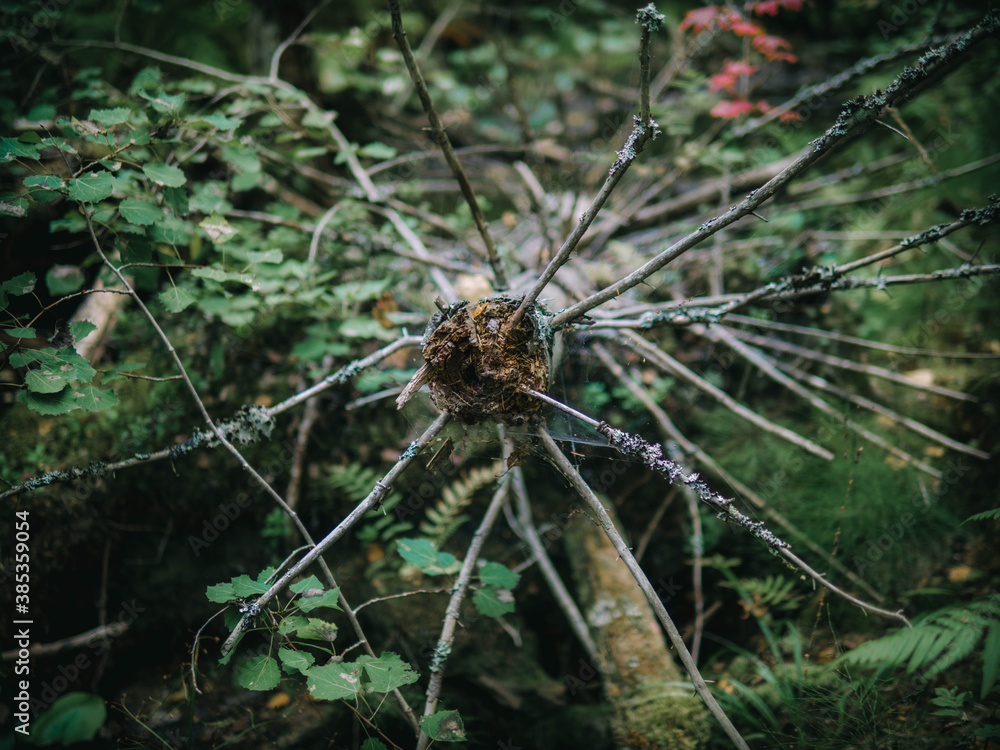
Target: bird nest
[[476, 367]]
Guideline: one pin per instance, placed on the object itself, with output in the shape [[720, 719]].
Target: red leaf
[[729, 110], [700, 19]]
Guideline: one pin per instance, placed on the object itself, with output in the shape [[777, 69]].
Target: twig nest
[[475, 367]]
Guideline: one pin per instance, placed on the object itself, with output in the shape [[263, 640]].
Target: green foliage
[[937, 642], [445, 516], [72, 718]]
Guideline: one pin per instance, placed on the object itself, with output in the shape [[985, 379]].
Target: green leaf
[[386, 673], [424, 554], [91, 398], [334, 681], [498, 576], [92, 188], [21, 284], [326, 599], [49, 404], [493, 602], [221, 593], [267, 256], [290, 624], [218, 121], [13, 205], [143, 213], [177, 199], [11, 148], [62, 280], [45, 182], [176, 298], [316, 629], [217, 228], [110, 117], [445, 726], [245, 586], [165, 103], [295, 661], [164, 174], [74, 717], [258, 673], [217, 274], [241, 158], [373, 743], [45, 381], [312, 582]]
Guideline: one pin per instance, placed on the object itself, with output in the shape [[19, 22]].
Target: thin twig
[[443, 647], [529, 534], [670, 432], [652, 457], [584, 490], [856, 118], [644, 130], [671, 365], [374, 498], [440, 137]]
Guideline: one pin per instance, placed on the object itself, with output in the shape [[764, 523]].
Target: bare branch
[[440, 137]]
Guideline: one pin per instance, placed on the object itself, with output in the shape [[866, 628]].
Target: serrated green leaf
[[373, 743], [20, 333], [295, 661], [424, 554], [326, 599], [23, 283], [245, 586], [312, 582], [444, 726], [165, 103], [45, 182], [11, 148], [385, 673], [218, 121], [258, 673], [334, 681], [221, 593], [137, 211], [493, 602], [45, 381], [49, 404], [12, 205], [316, 629], [217, 274], [498, 576], [80, 329], [291, 624], [164, 174], [92, 188], [91, 398], [110, 117], [176, 298], [217, 228]]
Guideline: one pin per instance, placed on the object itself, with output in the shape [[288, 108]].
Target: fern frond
[[987, 515], [355, 481], [939, 641], [444, 518]]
